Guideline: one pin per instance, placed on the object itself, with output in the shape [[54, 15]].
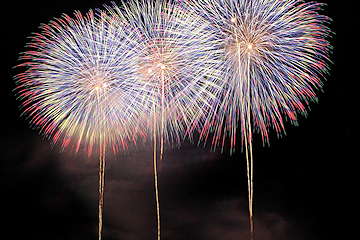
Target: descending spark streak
[[165, 43], [271, 55], [75, 87]]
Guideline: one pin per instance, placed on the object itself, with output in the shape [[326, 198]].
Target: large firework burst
[[274, 52], [76, 87], [170, 56], [165, 42], [272, 55]]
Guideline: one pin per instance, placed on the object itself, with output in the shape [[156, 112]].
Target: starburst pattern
[[165, 42], [76, 87], [272, 55], [72, 88], [170, 56]]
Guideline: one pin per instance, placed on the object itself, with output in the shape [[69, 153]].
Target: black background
[[305, 183]]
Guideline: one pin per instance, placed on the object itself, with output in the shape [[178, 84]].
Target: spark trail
[[271, 56]]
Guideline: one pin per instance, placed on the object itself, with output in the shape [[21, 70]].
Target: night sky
[[305, 183]]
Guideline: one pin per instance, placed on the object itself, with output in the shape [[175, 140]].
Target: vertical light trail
[[155, 175], [244, 80], [100, 87], [162, 110], [101, 188], [249, 142]]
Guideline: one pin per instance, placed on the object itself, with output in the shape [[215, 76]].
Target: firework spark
[[72, 89], [76, 87], [165, 43], [170, 56], [272, 55]]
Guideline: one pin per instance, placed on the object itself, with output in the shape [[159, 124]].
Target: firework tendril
[[271, 57]]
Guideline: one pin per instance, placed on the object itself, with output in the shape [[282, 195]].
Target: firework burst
[[274, 51], [272, 55], [165, 43], [170, 57], [76, 87]]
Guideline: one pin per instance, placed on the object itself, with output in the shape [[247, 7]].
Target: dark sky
[[305, 183]]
